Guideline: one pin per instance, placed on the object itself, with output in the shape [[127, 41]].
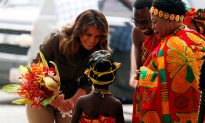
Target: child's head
[[101, 68]]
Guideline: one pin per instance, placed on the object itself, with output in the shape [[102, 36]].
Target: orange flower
[[39, 84]]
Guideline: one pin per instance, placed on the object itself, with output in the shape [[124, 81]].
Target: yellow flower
[[50, 83]]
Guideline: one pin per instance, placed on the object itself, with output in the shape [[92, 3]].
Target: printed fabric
[[147, 47], [101, 119], [167, 91]]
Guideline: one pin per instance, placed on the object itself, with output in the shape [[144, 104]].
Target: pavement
[[13, 114], [10, 113]]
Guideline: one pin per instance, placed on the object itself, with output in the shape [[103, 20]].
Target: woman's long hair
[[70, 34]]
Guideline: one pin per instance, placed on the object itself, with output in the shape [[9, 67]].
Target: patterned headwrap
[[101, 68], [173, 10], [197, 16]]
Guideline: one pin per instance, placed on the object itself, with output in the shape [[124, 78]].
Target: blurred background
[[23, 26], [25, 23]]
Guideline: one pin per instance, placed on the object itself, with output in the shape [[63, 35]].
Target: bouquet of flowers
[[39, 86]]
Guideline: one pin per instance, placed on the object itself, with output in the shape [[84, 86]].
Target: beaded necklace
[[178, 29]]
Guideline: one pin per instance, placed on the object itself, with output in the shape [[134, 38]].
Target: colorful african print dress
[[167, 91], [148, 46], [101, 119]]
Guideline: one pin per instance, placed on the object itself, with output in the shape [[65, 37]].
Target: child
[[99, 106]]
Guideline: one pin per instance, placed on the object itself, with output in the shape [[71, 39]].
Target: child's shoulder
[[84, 97], [116, 101]]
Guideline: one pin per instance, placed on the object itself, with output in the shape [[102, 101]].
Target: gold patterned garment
[[167, 90]]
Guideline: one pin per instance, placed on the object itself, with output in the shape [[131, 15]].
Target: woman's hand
[[61, 104], [67, 106]]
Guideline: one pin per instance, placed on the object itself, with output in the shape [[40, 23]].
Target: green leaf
[[22, 101], [47, 100], [11, 88], [57, 72], [56, 68], [43, 59], [50, 83]]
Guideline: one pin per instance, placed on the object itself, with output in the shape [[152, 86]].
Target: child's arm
[[77, 112]]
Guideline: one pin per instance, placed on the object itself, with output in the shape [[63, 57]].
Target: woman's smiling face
[[90, 37], [142, 20], [161, 27]]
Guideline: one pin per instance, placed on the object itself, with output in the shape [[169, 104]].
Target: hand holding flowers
[[39, 86]]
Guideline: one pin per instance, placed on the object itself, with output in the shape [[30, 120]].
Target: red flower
[[39, 85]]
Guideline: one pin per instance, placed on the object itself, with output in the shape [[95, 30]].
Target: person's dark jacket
[[71, 71]]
